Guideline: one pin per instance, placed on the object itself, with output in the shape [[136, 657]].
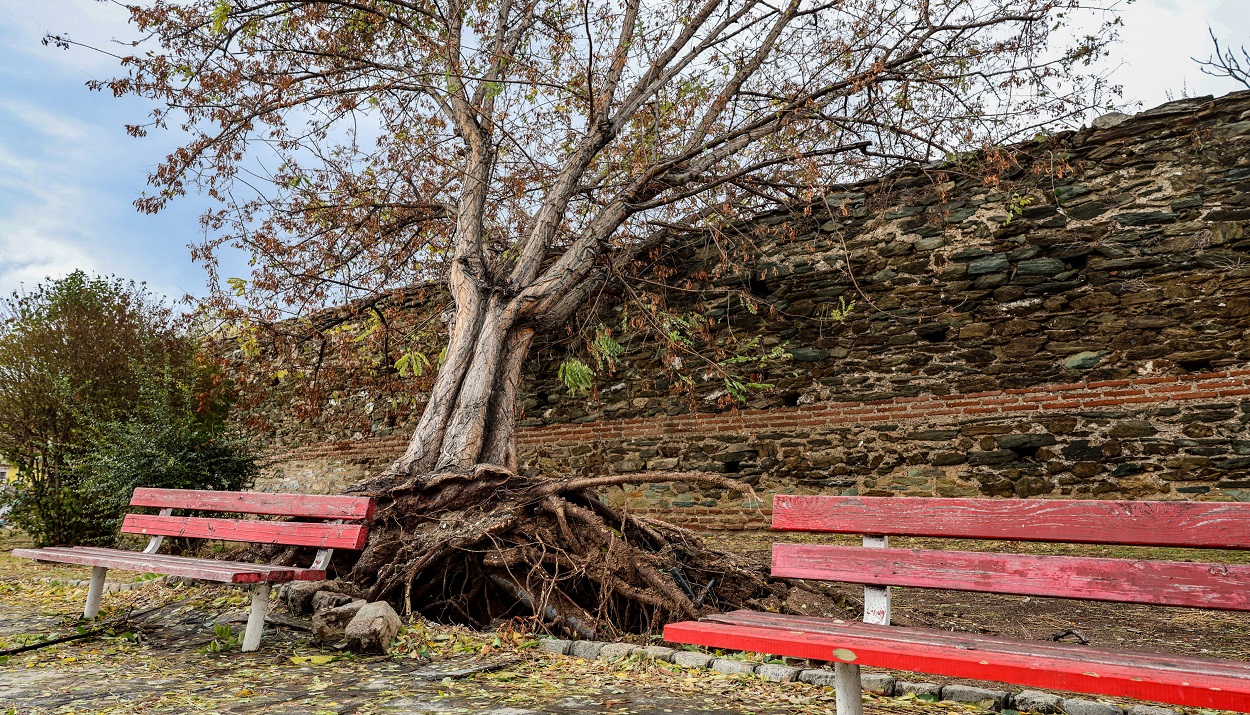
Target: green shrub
[[103, 390]]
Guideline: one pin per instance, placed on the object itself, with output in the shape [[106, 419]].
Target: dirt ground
[[159, 662]]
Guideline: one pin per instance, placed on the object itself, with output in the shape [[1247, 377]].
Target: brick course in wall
[[1169, 437]]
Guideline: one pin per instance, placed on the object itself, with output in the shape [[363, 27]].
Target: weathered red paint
[[1219, 525], [292, 533], [317, 506], [1182, 680], [1164, 583], [203, 569]]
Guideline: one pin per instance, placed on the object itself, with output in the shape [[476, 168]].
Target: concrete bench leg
[[95, 591], [256, 619], [850, 695]]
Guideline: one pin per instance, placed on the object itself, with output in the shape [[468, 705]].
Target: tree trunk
[[470, 417]]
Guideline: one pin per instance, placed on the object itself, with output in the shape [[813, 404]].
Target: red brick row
[[1075, 396]]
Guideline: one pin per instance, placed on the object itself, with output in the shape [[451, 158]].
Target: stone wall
[[1067, 318]]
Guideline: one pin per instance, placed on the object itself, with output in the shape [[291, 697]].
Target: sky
[[69, 173]]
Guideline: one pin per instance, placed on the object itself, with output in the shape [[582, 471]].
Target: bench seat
[[1179, 679], [202, 569]]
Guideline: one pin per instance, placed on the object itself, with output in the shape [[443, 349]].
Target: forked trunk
[[470, 417]]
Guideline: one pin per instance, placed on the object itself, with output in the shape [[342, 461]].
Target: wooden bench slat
[[305, 505], [207, 570], [1218, 525], [1162, 583], [291, 533], [1116, 673], [301, 573], [940, 638]]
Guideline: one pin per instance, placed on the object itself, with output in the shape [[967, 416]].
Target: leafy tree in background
[[525, 154], [102, 390]]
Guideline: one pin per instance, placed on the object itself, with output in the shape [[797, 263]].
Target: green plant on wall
[[1016, 206]]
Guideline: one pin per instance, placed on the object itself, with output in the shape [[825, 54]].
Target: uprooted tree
[[526, 153]]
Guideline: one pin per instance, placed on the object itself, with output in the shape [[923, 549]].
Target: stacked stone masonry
[[1077, 325]]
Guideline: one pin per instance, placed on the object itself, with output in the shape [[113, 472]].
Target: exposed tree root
[[481, 546]]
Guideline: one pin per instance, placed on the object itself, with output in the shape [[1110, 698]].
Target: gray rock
[[1029, 440], [1036, 701], [616, 651], [903, 687], [988, 699], [777, 673], [692, 659], [554, 645], [325, 600], [1132, 428], [1110, 119], [299, 594], [990, 264], [373, 628], [1076, 706], [1041, 267], [732, 667], [585, 649], [329, 625], [878, 683], [1082, 360], [808, 354], [1150, 710], [659, 652], [508, 711]]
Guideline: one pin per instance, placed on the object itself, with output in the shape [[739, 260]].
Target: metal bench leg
[[850, 695], [256, 619], [95, 592]]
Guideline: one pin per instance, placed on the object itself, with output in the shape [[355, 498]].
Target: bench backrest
[[290, 533], [1220, 525]]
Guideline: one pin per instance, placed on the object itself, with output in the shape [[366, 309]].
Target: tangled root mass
[[481, 546]]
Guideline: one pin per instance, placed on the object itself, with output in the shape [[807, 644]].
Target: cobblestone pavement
[[158, 663]]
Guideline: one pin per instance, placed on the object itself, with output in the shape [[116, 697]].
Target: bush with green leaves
[[103, 389]]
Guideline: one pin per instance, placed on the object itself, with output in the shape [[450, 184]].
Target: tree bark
[[470, 417]]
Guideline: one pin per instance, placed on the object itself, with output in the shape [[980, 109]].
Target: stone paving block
[[1150, 710], [585, 649], [878, 683], [555, 645], [988, 699], [777, 673], [1036, 701], [818, 676], [732, 667], [692, 659], [903, 687], [616, 651], [659, 652], [1077, 706]]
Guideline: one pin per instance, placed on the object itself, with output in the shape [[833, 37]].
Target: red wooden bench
[[330, 534], [1182, 680]]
